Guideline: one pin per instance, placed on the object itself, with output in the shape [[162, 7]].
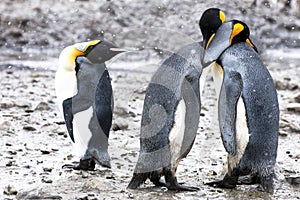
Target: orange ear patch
[[237, 28]]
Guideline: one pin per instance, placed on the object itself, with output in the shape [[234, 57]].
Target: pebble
[[42, 106], [295, 127], [47, 169], [46, 180], [44, 151], [10, 190], [85, 174], [7, 104], [120, 124], [5, 126], [60, 131], [293, 107], [293, 180], [22, 104], [120, 111], [296, 97], [29, 128]]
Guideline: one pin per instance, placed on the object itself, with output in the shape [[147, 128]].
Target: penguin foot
[[182, 188], [267, 184], [248, 180], [221, 184], [88, 165]]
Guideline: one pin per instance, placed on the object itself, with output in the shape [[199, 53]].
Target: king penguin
[[170, 116], [85, 99], [248, 111]]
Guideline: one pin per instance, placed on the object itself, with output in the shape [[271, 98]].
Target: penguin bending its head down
[[248, 108], [209, 23], [170, 117], [85, 99]]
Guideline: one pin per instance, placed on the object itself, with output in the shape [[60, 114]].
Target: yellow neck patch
[[209, 41], [222, 16], [91, 43], [237, 28]]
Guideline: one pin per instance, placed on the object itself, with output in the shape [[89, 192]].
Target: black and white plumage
[[85, 99], [170, 118], [247, 105]]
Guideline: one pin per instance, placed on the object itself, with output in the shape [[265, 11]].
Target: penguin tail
[[137, 180]]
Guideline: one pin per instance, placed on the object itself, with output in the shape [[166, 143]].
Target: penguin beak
[[104, 51], [248, 41], [220, 41], [119, 50]]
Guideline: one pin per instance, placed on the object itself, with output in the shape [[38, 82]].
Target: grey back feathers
[[177, 78], [261, 103]]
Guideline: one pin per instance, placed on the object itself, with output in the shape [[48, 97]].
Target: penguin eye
[[89, 49]]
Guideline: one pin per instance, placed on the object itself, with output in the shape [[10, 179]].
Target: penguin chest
[[65, 86], [242, 135], [82, 132], [176, 134], [218, 76]]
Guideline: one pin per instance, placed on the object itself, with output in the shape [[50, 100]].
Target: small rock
[[47, 169], [42, 106], [283, 133], [22, 104], [293, 107], [85, 174], [295, 127], [11, 163], [141, 90], [46, 180], [7, 104], [5, 125], [281, 85], [292, 86], [60, 131], [10, 190], [120, 111], [293, 180], [119, 124], [110, 176], [44, 151], [29, 128], [297, 97]]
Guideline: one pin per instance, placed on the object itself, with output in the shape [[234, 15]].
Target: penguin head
[[209, 23], [229, 33], [96, 51]]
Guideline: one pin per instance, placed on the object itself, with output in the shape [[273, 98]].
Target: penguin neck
[[67, 58], [218, 75]]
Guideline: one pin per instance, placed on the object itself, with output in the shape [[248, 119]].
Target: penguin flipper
[[230, 93], [68, 116]]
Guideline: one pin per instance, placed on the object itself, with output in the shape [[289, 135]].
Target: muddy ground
[[34, 141]]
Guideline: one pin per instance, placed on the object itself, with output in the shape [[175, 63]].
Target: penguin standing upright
[[85, 99], [248, 108], [170, 116], [170, 119]]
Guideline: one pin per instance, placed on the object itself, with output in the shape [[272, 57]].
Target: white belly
[[177, 134], [242, 132], [242, 135], [81, 131], [65, 86]]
